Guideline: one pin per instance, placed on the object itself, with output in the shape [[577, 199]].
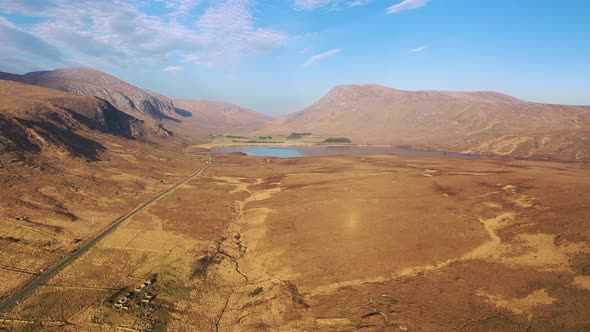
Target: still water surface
[[306, 151]]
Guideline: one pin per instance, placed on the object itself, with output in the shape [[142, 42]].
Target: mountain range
[[470, 122], [138, 102]]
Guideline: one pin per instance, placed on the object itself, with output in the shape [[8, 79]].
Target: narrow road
[[14, 299]]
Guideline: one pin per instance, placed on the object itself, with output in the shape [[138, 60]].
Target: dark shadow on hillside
[[75, 144], [166, 117], [14, 138], [183, 113], [115, 122]]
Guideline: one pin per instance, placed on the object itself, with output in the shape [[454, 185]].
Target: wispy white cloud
[[229, 31], [334, 4], [180, 7], [312, 4], [17, 39], [318, 57], [18, 65], [91, 32], [419, 49], [406, 5], [172, 68], [356, 3]]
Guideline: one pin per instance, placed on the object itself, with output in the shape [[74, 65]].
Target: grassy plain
[[375, 243]]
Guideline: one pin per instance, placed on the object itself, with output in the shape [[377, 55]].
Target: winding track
[[14, 299]]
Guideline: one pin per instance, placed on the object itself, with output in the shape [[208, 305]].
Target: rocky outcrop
[[90, 82], [140, 103], [194, 118], [36, 120]]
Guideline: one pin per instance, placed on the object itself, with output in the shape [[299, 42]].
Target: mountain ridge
[[139, 102], [477, 122], [37, 120], [158, 111], [483, 122]]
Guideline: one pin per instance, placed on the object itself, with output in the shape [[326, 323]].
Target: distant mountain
[[138, 102], [205, 117], [476, 122], [189, 117], [40, 120]]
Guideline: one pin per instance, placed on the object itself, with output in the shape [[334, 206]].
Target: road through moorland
[[21, 294]]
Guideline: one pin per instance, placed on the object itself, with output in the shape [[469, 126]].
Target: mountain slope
[[192, 118], [37, 120], [477, 122], [206, 117], [138, 102]]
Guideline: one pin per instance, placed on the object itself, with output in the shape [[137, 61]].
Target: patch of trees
[[297, 135], [337, 140]]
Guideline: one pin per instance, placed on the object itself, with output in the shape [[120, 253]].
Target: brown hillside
[[215, 117], [192, 118], [477, 122], [138, 102], [35, 119]]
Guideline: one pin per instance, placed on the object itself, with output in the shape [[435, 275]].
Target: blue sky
[[279, 56]]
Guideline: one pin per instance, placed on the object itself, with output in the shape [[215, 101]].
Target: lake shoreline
[[283, 151]]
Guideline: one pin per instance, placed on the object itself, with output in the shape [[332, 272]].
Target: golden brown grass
[[342, 243]]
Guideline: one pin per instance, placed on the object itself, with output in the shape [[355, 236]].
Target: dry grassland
[[372, 243]]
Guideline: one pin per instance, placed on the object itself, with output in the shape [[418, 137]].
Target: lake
[[307, 151]]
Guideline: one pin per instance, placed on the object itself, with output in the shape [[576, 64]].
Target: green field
[[220, 139]]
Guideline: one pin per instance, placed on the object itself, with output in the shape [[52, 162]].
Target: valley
[[338, 243], [294, 166], [457, 212]]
